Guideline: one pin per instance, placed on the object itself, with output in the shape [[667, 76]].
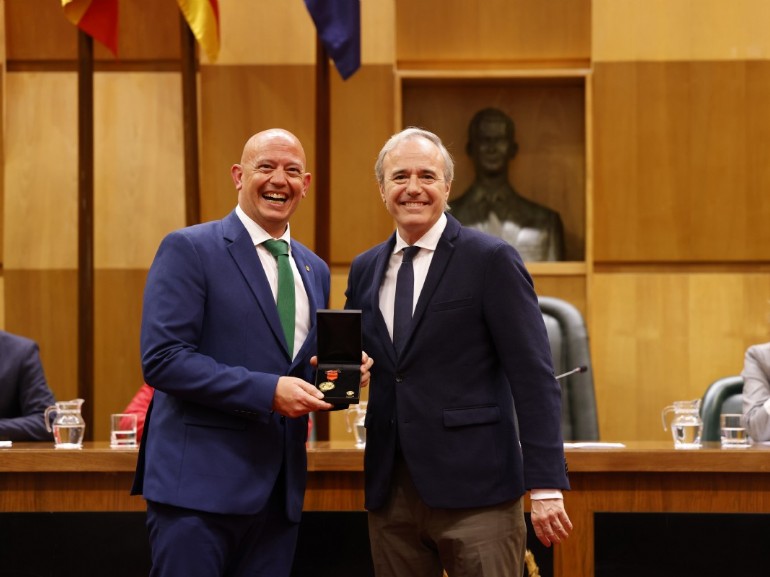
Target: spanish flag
[[203, 18], [97, 18]]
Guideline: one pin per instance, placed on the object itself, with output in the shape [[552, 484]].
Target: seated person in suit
[[756, 391], [493, 205], [24, 391]]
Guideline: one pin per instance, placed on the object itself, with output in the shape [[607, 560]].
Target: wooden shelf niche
[[549, 108]]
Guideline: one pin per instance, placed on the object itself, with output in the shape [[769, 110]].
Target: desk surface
[[343, 456], [638, 478]]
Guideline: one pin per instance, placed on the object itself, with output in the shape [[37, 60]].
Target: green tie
[[280, 250]]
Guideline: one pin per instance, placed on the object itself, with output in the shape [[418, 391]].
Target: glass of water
[[123, 431], [733, 433]]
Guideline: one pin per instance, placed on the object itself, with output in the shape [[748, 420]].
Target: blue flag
[[338, 23]]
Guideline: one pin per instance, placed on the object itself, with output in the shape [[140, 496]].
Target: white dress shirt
[[270, 265]]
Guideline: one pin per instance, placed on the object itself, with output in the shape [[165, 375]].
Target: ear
[[306, 183], [236, 172]]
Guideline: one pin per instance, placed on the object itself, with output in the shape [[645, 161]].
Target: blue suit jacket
[[24, 392], [213, 349], [477, 345]]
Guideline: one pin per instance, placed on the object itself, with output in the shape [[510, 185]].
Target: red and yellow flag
[[203, 18], [97, 18]]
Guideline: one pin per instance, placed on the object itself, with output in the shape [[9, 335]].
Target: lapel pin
[[307, 268]]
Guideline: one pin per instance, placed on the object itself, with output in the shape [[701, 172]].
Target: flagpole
[[190, 123], [322, 184], [85, 385]]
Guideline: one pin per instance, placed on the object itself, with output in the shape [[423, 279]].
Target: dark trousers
[[198, 544], [410, 539]]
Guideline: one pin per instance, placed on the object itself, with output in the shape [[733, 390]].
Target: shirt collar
[[256, 232], [429, 240]]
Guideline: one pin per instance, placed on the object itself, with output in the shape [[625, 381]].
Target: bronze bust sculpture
[[492, 204]]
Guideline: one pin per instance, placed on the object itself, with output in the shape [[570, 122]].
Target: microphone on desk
[[580, 369]]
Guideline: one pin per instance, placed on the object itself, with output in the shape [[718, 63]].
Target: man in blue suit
[[464, 415], [24, 391], [222, 463]]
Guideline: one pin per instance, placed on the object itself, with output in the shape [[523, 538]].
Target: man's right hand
[[295, 397]]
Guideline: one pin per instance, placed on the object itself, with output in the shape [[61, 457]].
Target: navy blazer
[[477, 345], [213, 348], [24, 391]]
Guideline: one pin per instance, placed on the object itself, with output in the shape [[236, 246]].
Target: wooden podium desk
[[641, 477]]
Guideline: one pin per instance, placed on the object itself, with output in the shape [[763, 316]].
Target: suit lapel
[[380, 268], [245, 256], [438, 264]]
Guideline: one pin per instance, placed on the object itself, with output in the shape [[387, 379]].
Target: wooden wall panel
[[681, 161], [290, 37], [662, 337], [569, 288], [362, 121], [40, 227], [42, 305], [38, 30], [685, 30], [139, 169], [117, 361], [489, 33], [272, 32], [239, 101], [549, 115]]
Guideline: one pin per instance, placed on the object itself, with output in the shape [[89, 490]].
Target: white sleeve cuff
[[538, 494], [767, 406]]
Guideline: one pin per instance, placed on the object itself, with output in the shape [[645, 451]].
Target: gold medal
[[326, 386]]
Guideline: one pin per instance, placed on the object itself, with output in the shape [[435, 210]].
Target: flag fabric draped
[[97, 18], [203, 18], [338, 23]]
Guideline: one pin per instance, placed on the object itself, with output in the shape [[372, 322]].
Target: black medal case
[[338, 374]]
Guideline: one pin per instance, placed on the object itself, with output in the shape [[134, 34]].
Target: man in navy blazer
[[24, 391], [466, 418], [222, 463]]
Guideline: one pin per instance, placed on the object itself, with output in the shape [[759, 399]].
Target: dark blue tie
[[402, 314]]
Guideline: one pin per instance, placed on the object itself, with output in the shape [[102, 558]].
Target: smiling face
[[271, 179], [413, 188]]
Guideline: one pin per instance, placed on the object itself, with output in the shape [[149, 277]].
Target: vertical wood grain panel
[[485, 32], [139, 171], [681, 161], [362, 121], [290, 36], [662, 337], [238, 101], [38, 30], [117, 362], [549, 167], [40, 227], [685, 30], [42, 305]]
